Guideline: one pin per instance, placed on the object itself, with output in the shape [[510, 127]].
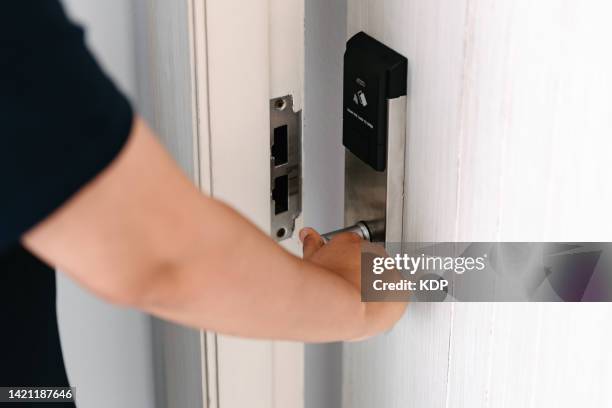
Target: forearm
[[141, 234], [245, 284]]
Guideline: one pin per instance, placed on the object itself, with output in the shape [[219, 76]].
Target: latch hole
[[280, 148], [280, 194]]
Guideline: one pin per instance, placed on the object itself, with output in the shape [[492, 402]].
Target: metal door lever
[[368, 230]]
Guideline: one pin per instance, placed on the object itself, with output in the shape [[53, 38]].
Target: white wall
[[107, 350], [509, 124]]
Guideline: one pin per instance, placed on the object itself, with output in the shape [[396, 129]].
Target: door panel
[[508, 115]]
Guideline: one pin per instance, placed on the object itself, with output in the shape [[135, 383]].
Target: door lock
[[374, 134]]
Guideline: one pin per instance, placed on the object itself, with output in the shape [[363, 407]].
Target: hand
[[141, 234], [342, 256]]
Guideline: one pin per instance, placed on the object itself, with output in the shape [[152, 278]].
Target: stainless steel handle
[[367, 230]]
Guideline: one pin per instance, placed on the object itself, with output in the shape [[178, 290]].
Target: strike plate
[[285, 167]]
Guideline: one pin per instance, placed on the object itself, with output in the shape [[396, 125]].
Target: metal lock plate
[[374, 133], [285, 167]]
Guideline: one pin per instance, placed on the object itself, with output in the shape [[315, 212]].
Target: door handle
[[373, 231]]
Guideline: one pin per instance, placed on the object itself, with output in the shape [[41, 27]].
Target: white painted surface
[[107, 350], [238, 63], [323, 155], [286, 38], [253, 50], [509, 118], [286, 77]]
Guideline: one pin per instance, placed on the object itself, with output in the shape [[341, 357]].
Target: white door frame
[[244, 54]]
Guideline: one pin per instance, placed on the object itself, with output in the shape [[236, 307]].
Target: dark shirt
[[62, 121]]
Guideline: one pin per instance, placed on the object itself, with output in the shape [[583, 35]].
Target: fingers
[[312, 241], [347, 237]]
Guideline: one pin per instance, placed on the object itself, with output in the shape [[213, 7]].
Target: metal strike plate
[[285, 167]]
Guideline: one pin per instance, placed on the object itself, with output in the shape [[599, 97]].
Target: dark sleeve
[[62, 120]]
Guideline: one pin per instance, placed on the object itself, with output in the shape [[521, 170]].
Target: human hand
[[342, 256]]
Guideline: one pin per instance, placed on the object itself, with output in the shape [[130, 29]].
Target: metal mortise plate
[[285, 167], [371, 195]]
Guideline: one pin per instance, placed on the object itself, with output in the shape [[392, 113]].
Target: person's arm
[[140, 234]]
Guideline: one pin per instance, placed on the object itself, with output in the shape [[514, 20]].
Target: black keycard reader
[[373, 74]]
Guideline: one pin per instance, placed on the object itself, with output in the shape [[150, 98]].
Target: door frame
[[207, 70], [243, 55]]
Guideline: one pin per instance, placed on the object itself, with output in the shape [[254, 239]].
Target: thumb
[[312, 241]]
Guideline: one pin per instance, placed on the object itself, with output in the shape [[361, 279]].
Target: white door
[[508, 138]]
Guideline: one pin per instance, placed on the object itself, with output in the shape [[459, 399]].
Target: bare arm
[[140, 234]]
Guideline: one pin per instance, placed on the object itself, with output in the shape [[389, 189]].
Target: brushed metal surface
[[360, 229], [374, 196], [282, 114]]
